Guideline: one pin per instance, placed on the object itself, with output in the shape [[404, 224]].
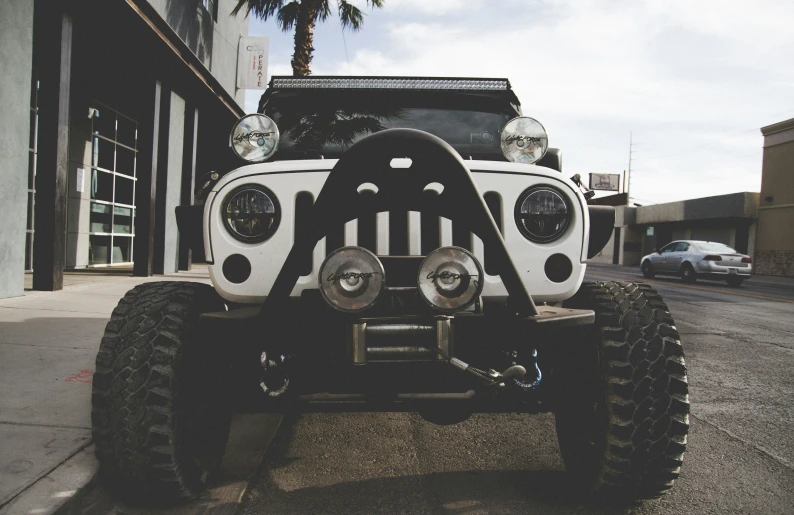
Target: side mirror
[[657, 251]]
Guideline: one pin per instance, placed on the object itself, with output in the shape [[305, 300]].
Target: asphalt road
[[739, 344]]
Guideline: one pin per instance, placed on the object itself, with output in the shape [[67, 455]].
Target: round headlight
[[255, 137], [524, 140], [251, 213], [542, 214]]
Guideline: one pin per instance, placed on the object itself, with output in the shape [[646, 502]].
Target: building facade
[[774, 253], [113, 109], [730, 219]]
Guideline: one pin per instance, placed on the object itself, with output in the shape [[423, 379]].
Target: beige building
[[774, 252]]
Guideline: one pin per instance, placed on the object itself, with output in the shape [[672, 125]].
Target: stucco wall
[[774, 250], [16, 53]]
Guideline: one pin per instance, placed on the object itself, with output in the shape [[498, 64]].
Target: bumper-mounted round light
[[524, 140], [251, 213], [351, 279], [542, 214], [255, 138], [450, 279]]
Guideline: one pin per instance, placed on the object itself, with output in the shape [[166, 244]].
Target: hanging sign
[[252, 63], [605, 181]]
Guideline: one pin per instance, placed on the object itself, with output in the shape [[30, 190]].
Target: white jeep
[[409, 245]]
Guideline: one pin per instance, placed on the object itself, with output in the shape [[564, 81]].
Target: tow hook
[[274, 380], [512, 377]]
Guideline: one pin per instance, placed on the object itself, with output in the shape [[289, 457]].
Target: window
[[113, 181], [670, 247], [681, 247], [211, 7], [32, 160]]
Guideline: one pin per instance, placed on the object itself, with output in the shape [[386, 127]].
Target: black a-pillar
[[152, 146], [52, 58]]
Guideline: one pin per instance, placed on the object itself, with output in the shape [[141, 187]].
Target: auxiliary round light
[[351, 279], [542, 214], [251, 213], [255, 138], [524, 140], [450, 279]]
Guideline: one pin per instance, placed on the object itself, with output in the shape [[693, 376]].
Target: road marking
[[701, 288]]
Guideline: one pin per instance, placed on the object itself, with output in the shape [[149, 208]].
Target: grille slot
[[303, 211], [494, 203], [398, 233]]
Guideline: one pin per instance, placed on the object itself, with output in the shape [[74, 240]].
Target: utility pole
[[627, 176]]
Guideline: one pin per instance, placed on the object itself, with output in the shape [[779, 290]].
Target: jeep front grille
[[402, 233]]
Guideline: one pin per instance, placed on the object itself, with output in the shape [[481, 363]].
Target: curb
[[53, 493]]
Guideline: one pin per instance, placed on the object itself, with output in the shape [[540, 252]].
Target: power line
[[344, 41]]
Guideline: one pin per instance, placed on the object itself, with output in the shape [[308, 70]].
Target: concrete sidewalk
[[48, 344]]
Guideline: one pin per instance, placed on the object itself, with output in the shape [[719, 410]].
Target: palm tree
[[303, 15]]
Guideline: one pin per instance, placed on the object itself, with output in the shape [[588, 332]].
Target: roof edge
[[778, 127]]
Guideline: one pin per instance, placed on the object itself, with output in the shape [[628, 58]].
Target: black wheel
[[735, 281], [688, 274], [647, 269], [159, 424], [623, 420]]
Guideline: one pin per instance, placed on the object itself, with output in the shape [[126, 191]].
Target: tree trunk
[[304, 38]]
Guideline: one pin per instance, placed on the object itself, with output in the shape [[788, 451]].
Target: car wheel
[[735, 281], [688, 274], [647, 269], [623, 417], [159, 423]]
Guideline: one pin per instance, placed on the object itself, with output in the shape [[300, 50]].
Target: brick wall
[[774, 262]]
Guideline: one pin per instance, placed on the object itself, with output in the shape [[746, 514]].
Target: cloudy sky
[[692, 81]]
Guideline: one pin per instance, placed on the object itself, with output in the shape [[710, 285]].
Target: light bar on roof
[[391, 83]]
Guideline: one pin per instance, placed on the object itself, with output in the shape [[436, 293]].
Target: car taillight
[[712, 257], [747, 260]]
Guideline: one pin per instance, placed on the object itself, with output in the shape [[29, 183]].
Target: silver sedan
[[692, 259]]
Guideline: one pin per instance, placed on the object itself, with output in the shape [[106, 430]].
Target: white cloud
[[432, 7], [693, 81]]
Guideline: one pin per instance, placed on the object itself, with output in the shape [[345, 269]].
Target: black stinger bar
[[369, 161]]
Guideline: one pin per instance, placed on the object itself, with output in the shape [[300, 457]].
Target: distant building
[[112, 110], [730, 219], [774, 253]]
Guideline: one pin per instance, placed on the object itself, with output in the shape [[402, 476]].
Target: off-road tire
[[159, 424], [647, 270], [688, 274], [735, 281], [622, 423]]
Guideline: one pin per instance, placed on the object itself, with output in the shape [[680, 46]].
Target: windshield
[[715, 247], [326, 123]]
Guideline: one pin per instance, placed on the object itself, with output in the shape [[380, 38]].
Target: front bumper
[[338, 363]]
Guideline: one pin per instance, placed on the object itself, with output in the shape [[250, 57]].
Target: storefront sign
[[252, 63]]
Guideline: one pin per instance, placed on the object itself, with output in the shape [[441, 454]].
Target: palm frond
[[323, 10], [264, 9], [350, 15], [288, 15]]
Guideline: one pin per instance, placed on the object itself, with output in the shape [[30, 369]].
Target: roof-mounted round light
[[524, 140], [255, 138]]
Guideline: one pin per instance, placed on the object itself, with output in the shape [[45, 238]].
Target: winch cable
[[492, 377]]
